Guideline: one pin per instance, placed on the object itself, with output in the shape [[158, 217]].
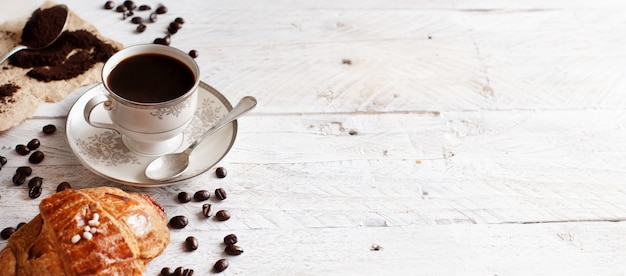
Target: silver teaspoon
[[60, 23], [171, 165]]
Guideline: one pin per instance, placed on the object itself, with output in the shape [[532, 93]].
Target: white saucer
[[103, 152]]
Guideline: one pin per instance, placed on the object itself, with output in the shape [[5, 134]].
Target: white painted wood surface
[[462, 137]]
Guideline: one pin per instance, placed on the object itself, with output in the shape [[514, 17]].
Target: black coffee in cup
[[150, 78]]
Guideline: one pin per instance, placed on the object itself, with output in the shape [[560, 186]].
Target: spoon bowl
[[171, 165], [24, 46]]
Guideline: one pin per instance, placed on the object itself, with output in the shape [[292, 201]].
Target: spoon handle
[[12, 52], [244, 105]]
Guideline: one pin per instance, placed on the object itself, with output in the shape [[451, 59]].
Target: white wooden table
[[393, 137]]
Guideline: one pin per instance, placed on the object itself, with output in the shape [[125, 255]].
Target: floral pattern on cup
[[175, 110]]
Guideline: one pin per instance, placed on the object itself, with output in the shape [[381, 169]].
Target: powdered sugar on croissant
[[95, 231]]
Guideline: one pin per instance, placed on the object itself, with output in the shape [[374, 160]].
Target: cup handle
[[92, 104]]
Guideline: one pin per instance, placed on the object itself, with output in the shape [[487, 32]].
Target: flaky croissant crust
[[130, 230]]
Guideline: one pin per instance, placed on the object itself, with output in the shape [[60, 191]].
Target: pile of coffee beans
[[129, 9]]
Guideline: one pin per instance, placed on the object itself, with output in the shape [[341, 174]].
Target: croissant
[[93, 231]]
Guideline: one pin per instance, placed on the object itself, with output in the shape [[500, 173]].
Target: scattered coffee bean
[[153, 17], [191, 243], [33, 144], [144, 8], [233, 250], [49, 129], [3, 160], [25, 170], [230, 239], [35, 181], [34, 192], [222, 215], [7, 232], [220, 172], [178, 271], [130, 5], [206, 210], [171, 30], [161, 10], [136, 20], [202, 195], [179, 20], [188, 272], [63, 186], [121, 8], [193, 53], [220, 265], [184, 197], [18, 179], [166, 271], [36, 157], [178, 222], [141, 28], [109, 5], [22, 149], [161, 41], [175, 25], [220, 193], [19, 225]]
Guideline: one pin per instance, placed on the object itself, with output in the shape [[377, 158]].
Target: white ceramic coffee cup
[[146, 128]]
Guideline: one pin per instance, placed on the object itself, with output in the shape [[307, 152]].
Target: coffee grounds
[[72, 54], [7, 91], [44, 26]]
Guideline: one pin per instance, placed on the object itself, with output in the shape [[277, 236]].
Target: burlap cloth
[[33, 92]]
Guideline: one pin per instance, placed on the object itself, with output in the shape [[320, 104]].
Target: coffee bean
[[184, 197], [49, 129], [179, 222], [188, 272], [233, 250], [153, 17], [18, 179], [121, 8], [178, 271], [222, 215], [34, 192], [206, 210], [193, 53], [166, 271], [3, 160], [202, 195], [161, 41], [19, 225], [171, 30], [220, 193], [161, 10], [144, 8], [22, 149], [63, 186], [191, 243], [230, 239], [25, 170], [130, 5], [7, 232], [35, 181], [220, 172], [136, 20], [36, 157], [220, 265], [141, 28], [33, 144], [179, 20], [176, 25], [109, 5]]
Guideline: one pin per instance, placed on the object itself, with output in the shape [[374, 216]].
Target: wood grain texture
[[462, 138]]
